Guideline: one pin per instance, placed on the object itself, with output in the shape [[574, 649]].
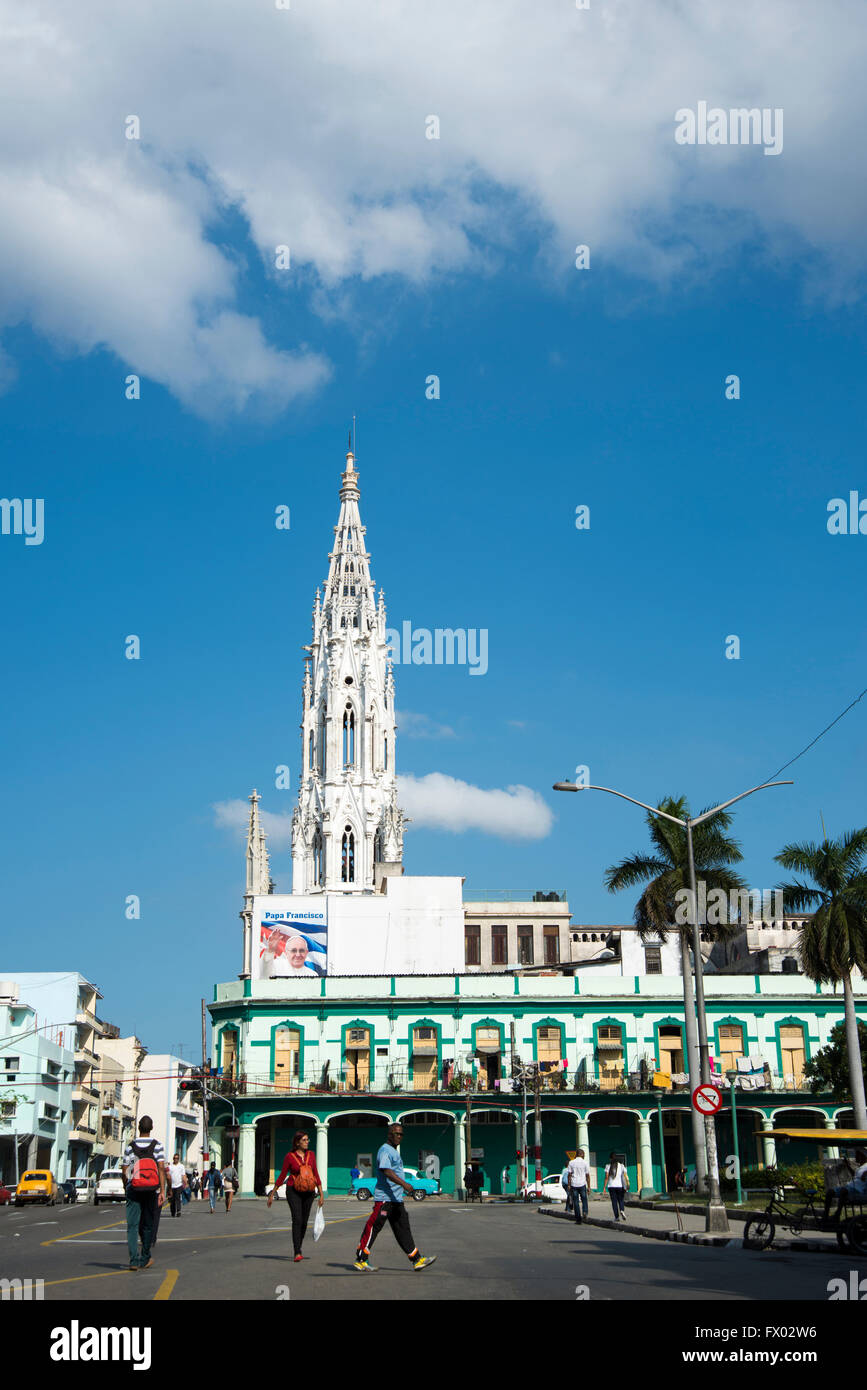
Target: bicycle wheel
[[795, 1223], [856, 1232], [759, 1231]]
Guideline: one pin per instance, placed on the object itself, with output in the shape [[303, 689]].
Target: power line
[[818, 736]]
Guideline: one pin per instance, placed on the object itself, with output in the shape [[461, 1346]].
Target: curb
[[695, 1237]]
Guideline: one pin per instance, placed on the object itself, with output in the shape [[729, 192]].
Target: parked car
[[76, 1190], [5, 1195], [109, 1187], [36, 1185], [552, 1189], [421, 1187]]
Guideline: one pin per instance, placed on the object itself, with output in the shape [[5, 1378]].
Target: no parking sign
[[707, 1099]]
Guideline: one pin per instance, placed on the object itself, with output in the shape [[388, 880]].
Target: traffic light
[[194, 1082]]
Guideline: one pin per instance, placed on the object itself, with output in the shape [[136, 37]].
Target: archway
[[274, 1134], [559, 1137], [354, 1139], [798, 1150], [750, 1148], [613, 1131], [429, 1145], [494, 1143]]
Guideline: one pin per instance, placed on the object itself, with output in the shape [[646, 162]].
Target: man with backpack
[[144, 1173], [212, 1183]]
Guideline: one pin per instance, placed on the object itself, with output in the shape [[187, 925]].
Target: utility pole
[[513, 1074], [537, 1087], [205, 1155], [525, 1170], [717, 1219], [469, 1131]]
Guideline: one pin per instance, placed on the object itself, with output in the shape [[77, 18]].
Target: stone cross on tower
[[347, 819]]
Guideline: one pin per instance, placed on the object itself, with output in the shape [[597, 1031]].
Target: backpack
[[145, 1171], [304, 1179]]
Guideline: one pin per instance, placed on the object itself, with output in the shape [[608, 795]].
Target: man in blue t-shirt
[[389, 1205]]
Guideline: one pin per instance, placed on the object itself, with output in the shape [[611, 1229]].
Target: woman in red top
[[302, 1183]]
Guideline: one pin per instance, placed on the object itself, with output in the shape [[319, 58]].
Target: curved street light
[[716, 1212]]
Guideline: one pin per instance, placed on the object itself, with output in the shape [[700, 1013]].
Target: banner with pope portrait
[[290, 936]]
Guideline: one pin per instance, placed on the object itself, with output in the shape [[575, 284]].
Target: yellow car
[[36, 1185]]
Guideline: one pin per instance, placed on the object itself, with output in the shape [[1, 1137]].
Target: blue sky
[[606, 647]]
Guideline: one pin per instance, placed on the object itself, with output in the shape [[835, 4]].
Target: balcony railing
[[587, 1079]]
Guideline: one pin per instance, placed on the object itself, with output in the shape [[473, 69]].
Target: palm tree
[[666, 873], [835, 941]]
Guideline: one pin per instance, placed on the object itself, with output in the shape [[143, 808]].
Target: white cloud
[[309, 124], [235, 816], [413, 725], [445, 803]]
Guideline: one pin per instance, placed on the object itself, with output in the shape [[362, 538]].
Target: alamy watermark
[[856, 1289], [444, 646], [23, 516], [718, 907], [740, 125], [847, 518], [22, 1290]]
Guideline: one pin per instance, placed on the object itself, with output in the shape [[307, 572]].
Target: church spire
[[347, 820], [258, 868]]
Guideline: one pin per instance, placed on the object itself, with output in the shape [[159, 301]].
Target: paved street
[[488, 1252]]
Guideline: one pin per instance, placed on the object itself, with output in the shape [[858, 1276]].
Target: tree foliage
[[828, 1070]]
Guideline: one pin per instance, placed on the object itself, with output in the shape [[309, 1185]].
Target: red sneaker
[[297, 1258]]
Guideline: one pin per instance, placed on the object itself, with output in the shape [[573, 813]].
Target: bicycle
[[851, 1231]]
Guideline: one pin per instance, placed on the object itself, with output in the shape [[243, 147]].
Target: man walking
[[212, 1183], [144, 1173], [389, 1205], [177, 1178], [578, 1173]]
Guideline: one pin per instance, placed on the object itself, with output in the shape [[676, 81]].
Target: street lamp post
[[732, 1080], [716, 1219]]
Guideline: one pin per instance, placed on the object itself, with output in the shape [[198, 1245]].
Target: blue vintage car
[[421, 1187]]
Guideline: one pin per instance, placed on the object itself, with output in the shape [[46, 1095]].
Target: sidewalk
[[646, 1219]]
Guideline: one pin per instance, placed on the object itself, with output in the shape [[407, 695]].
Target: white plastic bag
[[318, 1223]]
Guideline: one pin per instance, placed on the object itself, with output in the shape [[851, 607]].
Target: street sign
[[707, 1099]]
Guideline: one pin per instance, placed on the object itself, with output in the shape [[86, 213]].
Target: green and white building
[[367, 995]]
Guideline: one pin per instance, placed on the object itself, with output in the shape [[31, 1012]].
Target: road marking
[[165, 1289], [54, 1239], [76, 1278]]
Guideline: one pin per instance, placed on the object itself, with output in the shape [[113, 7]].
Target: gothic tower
[[347, 820]]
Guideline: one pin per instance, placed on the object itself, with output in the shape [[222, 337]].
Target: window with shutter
[[793, 1051], [609, 1046], [731, 1045]]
